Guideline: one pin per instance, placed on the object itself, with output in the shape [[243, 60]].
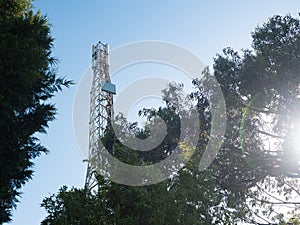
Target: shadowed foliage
[[27, 80], [257, 169]]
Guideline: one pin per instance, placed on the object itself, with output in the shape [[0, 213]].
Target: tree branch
[[271, 135]]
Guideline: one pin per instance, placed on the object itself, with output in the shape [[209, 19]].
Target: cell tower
[[101, 106]]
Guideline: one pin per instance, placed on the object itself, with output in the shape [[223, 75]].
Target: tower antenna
[[101, 108]]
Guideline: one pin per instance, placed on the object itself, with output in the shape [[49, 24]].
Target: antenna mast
[[101, 107]]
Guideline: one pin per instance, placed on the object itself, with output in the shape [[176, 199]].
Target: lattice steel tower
[[101, 106]]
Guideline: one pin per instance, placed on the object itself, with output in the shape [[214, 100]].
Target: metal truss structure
[[101, 107]]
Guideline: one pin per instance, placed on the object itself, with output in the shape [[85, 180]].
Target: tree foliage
[[28, 79], [257, 167], [258, 163], [188, 197]]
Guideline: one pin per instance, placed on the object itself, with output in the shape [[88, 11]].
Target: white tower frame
[[101, 107]]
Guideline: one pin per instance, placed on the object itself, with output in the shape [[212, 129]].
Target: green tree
[[189, 197], [28, 79], [75, 206], [259, 158], [249, 177]]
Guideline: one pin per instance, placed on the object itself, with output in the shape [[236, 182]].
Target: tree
[[257, 167], [75, 206], [28, 80], [259, 159], [188, 197]]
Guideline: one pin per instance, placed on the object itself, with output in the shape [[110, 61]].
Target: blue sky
[[204, 27]]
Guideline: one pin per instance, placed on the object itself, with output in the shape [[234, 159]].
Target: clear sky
[[204, 27]]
